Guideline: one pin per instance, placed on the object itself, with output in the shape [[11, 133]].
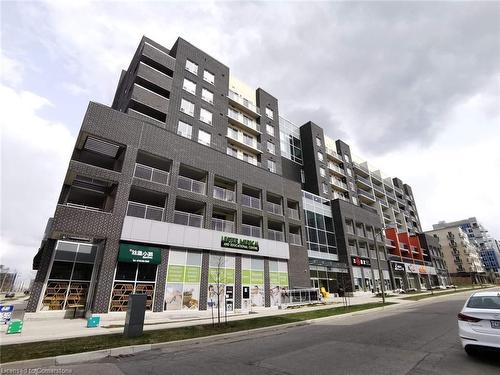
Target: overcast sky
[[413, 87]]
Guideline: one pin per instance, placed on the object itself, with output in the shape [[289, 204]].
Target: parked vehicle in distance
[[10, 295], [479, 322]]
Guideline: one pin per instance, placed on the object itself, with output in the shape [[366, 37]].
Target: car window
[[484, 302]]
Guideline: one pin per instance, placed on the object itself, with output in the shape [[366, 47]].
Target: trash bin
[[93, 321]]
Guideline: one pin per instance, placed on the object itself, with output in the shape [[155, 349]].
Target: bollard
[[134, 320]]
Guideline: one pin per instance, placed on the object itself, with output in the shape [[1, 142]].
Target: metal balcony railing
[[275, 235], [151, 174], [293, 213], [186, 183], [248, 201], [222, 225], [187, 218], [295, 239], [235, 115], [333, 153], [250, 230], [242, 101], [274, 208], [238, 136], [144, 211], [224, 194]]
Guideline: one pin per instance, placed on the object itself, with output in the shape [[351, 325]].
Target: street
[[417, 338]]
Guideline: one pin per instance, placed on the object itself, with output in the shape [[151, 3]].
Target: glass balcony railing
[[151, 174], [275, 235], [274, 208], [338, 183], [293, 213], [250, 230], [144, 211], [336, 168], [224, 194], [222, 225], [243, 101], [187, 218], [364, 180], [241, 119], [186, 183], [248, 201], [295, 239]]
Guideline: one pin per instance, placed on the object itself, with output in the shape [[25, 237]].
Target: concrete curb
[[128, 350]]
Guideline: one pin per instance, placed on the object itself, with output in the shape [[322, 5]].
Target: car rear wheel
[[470, 350]]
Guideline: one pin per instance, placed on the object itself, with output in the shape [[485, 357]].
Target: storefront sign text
[[238, 243], [131, 253], [360, 262]]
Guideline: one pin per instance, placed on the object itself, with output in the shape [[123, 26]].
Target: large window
[[204, 138], [271, 166], [184, 129], [189, 86], [207, 96], [221, 278], [278, 279], [208, 77], [252, 277], [191, 67], [182, 290], [187, 107], [131, 278], [320, 233], [70, 276], [271, 148], [270, 129], [206, 116], [269, 113]]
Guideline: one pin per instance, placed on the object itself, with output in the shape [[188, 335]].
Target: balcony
[[336, 195], [383, 203], [336, 169], [250, 230], [239, 119], [151, 174], [159, 56], [363, 182], [363, 252], [249, 201], [293, 213], [390, 243], [360, 167], [243, 104], [295, 239], [149, 98], [338, 183], [331, 152], [352, 250], [274, 208], [366, 196], [188, 218], [379, 190], [222, 225], [154, 76], [275, 235], [195, 186], [144, 211], [224, 194], [387, 217], [246, 142]]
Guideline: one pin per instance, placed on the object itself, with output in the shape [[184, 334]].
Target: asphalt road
[[418, 338]]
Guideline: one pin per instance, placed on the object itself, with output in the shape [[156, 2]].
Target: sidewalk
[[41, 329]]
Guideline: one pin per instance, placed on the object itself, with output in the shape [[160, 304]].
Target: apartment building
[[478, 234], [175, 188], [462, 256], [192, 179], [433, 254]]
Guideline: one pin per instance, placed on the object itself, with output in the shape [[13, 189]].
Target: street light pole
[[380, 273]]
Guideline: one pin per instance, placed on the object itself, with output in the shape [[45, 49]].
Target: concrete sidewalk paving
[[58, 328]]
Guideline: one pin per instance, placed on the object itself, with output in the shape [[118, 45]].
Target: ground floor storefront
[[240, 275], [410, 276]]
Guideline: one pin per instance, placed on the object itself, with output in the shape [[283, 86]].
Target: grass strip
[[42, 349], [429, 295]]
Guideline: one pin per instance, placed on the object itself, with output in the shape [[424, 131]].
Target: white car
[[479, 322]]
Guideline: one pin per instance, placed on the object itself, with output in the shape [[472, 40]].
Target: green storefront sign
[[239, 243], [131, 253]]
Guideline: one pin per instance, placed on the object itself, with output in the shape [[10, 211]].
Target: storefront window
[[183, 280], [278, 277], [252, 277], [129, 278], [221, 279], [70, 275]]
